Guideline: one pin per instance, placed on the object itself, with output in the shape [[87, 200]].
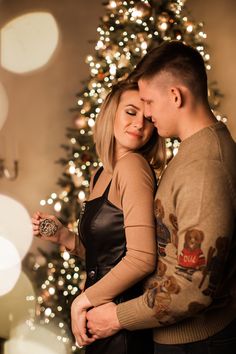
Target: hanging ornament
[[85, 157], [105, 18], [101, 76], [80, 122]]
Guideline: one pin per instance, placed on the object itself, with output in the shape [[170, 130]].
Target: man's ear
[[177, 97]]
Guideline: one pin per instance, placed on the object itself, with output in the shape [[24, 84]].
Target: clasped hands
[[99, 322]]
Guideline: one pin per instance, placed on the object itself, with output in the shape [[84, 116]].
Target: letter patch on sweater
[[191, 257]]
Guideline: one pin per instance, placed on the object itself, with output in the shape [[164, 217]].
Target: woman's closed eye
[[131, 113]]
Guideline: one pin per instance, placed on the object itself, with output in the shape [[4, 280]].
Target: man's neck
[[195, 121]]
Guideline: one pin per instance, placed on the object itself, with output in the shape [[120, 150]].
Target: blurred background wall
[[39, 101]]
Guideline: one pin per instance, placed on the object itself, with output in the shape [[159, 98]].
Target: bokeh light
[[3, 105], [15, 224], [28, 42], [10, 265]]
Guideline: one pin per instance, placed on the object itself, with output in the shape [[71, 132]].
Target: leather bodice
[[101, 229]]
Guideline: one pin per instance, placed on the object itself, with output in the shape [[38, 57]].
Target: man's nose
[[147, 111]]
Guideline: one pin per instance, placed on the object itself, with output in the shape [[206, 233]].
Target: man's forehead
[[145, 89]]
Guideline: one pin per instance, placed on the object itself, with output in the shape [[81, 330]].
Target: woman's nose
[[139, 122]]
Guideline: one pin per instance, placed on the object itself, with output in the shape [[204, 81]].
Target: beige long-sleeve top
[[132, 190], [192, 294]]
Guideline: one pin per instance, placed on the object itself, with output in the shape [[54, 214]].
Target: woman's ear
[[177, 97]]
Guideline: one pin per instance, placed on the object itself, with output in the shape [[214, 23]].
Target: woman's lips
[[135, 135]]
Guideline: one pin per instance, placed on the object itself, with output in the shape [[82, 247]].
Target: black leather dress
[[102, 233]]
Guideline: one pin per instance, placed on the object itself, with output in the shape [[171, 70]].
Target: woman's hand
[[38, 217], [78, 320]]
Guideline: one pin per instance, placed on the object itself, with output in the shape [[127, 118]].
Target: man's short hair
[[182, 61]]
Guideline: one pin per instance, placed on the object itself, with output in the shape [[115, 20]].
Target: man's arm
[[203, 203], [204, 207]]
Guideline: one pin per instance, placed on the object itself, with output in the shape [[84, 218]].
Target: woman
[[117, 223]]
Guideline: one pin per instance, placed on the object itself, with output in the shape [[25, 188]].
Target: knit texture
[[192, 294]]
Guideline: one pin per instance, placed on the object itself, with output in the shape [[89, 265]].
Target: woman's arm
[[133, 192]]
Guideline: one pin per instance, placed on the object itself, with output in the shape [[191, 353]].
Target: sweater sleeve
[[78, 249], [202, 196], [134, 183]]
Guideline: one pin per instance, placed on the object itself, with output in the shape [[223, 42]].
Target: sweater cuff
[[131, 318]]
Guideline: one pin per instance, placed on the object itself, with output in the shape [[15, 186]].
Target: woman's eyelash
[[131, 113]]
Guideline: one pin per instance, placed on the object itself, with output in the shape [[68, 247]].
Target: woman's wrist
[[67, 238], [84, 301]]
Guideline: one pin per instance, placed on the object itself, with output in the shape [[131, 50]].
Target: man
[[190, 300]]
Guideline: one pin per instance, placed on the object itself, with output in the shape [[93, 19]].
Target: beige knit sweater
[[192, 294]]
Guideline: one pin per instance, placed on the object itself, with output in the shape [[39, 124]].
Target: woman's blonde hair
[[154, 150]]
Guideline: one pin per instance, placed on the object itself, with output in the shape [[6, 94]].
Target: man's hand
[[78, 319], [103, 321]]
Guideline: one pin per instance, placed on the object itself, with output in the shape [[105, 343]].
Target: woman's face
[[131, 129]]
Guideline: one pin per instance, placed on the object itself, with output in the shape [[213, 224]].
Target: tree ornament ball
[[80, 122], [47, 227], [163, 17]]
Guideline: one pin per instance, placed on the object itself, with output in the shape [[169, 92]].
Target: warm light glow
[[35, 339], [57, 206], [3, 105], [81, 195], [15, 224], [10, 265], [163, 26], [17, 305], [28, 42]]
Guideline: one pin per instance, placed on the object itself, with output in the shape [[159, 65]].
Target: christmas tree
[[127, 31]]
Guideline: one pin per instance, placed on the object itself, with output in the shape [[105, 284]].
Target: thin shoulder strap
[[106, 192], [96, 176]]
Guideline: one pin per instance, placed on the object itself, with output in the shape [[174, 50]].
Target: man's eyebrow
[[144, 100]]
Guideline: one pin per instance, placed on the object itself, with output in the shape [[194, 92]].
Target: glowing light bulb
[[81, 195], [57, 206]]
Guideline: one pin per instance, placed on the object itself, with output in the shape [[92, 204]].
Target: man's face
[[158, 103]]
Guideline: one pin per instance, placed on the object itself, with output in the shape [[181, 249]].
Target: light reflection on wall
[[3, 105], [15, 225], [37, 340], [28, 42], [17, 306], [10, 265]]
